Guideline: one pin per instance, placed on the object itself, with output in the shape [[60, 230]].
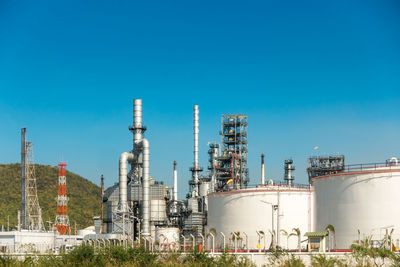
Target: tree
[[298, 234], [330, 230], [272, 232], [285, 233]]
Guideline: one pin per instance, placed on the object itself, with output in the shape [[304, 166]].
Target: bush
[[323, 261]]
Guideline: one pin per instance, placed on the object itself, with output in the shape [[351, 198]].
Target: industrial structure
[[31, 215], [62, 219], [222, 209], [221, 201], [231, 166]]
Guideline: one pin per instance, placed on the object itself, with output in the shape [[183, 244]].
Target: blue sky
[[307, 73]]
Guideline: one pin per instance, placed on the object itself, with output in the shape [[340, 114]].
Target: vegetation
[[128, 257], [84, 196], [282, 258], [87, 256]]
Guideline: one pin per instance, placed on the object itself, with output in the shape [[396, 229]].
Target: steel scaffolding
[[62, 219], [231, 170]]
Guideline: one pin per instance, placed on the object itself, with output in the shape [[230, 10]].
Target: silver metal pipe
[[262, 170], [196, 144], [214, 153], [123, 180], [137, 121], [146, 187], [175, 182]]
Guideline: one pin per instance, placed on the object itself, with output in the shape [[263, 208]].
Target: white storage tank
[[359, 203], [250, 210]]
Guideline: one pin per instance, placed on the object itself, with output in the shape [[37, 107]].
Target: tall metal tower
[[194, 183], [232, 171], [31, 212], [23, 177], [62, 219]]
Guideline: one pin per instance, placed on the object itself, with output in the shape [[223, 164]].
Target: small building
[[25, 241], [316, 241]]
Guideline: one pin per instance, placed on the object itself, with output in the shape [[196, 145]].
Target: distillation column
[[175, 183]]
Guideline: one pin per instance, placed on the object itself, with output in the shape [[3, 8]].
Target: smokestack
[[262, 170], [196, 145], [137, 121], [175, 182], [146, 187], [23, 178]]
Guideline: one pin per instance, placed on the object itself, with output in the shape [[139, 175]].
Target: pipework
[[123, 180]]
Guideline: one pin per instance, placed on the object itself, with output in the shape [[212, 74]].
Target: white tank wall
[[169, 233], [243, 211], [366, 201]]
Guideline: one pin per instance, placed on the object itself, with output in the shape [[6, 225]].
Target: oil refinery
[[340, 206], [350, 202]]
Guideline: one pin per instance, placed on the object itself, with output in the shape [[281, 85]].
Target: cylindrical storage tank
[[204, 188], [157, 210], [249, 211], [167, 235], [362, 201]]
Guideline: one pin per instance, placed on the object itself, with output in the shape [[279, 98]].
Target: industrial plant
[[340, 206]]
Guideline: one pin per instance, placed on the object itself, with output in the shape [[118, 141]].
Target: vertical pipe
[[262, 170], [146, 187], [23, 177], [213, 164], [196, 144], [273, 226], [123, 180], [278, 221], [175, 182], [137, 121]]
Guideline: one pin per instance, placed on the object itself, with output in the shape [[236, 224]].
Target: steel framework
[[33, 211], [62, 219], [231, 170]]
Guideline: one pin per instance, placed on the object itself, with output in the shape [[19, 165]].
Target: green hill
[[84, 196]]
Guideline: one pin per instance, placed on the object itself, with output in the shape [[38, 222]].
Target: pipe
[[213, 152], [123, 180], [137, 121], [175, 182], [146, 186], [262, 170], [196, 144]]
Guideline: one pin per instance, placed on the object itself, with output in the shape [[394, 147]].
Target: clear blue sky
[[307, 73]]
